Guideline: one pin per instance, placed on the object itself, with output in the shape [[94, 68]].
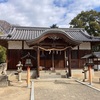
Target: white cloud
[[44, 12]]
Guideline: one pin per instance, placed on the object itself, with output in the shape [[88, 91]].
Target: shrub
[[2, 54]]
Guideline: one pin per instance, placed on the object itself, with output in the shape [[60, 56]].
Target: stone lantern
[[90, 64], [28, 64]]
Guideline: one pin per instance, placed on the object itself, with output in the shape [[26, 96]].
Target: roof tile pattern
[[31, 33]]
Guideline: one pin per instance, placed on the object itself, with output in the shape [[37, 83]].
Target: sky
[[44, 13]]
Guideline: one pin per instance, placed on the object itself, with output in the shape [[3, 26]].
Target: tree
[[2, 54], [90, 20]]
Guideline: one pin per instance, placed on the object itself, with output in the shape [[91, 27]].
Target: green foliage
[[2, 54], [90, 20]]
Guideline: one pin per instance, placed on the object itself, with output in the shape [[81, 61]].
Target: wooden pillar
[[90, 75], [38, 61], [91, 44], [69, 62], [65, 58], [28, 77], [7, 57], [53, 60], [22, 50], [22, 45], [78, 57]]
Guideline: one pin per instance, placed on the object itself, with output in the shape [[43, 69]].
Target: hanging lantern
[[28, 62]]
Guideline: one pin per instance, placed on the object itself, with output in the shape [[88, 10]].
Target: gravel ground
[[63, 90], [17, 91]]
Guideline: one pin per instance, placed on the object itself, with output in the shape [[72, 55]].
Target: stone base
[[3, 81], [34, 74]]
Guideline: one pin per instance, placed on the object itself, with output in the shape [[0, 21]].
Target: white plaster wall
[[85, 46], [26, 46], [14, 44]]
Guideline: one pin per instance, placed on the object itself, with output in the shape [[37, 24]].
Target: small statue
[[19, 70], [3, 68], [19, 65]]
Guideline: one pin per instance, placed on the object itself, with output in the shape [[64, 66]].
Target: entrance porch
[[53, 50]]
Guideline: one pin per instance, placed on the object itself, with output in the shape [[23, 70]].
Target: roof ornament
[[54, 26], [54, 37], [9, 35]]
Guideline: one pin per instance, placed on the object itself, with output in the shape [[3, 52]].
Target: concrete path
[[64, 90]]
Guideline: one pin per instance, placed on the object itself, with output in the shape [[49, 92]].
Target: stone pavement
[[52, 89], [76, 74], [64, 90]]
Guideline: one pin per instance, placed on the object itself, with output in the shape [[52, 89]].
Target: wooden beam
[[50, 44]]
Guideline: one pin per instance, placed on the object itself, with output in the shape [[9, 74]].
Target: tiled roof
[[31, 33], [92, 55]]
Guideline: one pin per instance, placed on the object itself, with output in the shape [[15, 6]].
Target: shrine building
[[57, 48]]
